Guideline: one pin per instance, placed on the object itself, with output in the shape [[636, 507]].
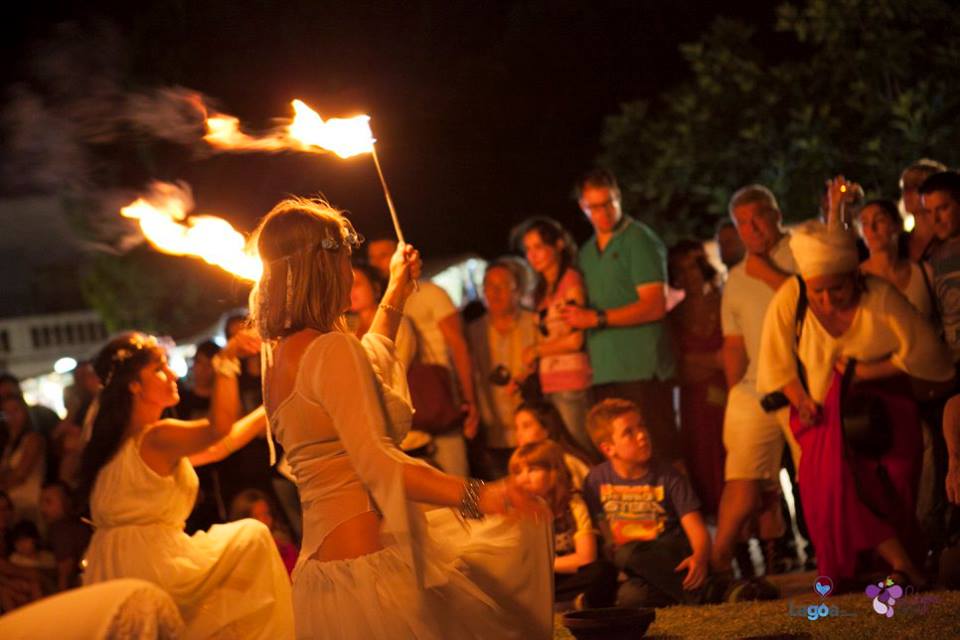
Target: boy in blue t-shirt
[[647, 510]]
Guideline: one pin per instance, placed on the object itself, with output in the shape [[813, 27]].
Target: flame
[[344, 136], [163, 220], [224, 132], [307, 131]]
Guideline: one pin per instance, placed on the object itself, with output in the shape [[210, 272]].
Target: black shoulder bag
[[778, 400]]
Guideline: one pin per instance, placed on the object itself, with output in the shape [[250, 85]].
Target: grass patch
[[939, 621]]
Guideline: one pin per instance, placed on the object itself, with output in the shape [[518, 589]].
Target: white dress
[[125, 609], [228, 582], [434, 578]]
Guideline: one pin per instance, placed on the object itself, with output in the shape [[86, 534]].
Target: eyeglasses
[[606, 205]]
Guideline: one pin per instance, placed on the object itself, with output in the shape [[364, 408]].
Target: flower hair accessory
[[138, 342], [348, 238]]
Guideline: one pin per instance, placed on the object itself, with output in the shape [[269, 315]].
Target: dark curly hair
[[117, 365], [680, 250], [552, 233], [887, 208], [557, 431]]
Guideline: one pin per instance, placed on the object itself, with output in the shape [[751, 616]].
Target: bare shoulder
[[166, 425]]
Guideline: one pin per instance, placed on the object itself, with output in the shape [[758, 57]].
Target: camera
[[774, 401], [500, 376]]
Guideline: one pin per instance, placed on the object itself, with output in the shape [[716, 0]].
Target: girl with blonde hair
[[539, 469], [369, 566]]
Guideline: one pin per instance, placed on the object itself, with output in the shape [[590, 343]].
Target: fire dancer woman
[[368, 567], [138, 472], [864, 323]]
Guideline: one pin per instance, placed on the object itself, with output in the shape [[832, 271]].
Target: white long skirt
[[228, 582], [500, 585]]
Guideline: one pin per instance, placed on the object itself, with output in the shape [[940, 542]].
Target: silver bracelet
[[389, 307], [470, 502]]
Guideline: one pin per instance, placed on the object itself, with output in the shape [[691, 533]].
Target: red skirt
[[841, 524]]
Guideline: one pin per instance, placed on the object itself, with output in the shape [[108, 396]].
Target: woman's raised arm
[[169, 440]]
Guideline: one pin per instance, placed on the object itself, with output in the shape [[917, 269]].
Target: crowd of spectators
[[655, 399]]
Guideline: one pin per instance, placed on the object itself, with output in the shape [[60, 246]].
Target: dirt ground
[[929, 616]]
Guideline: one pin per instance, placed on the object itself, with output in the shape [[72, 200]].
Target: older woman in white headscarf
[[865, 323]]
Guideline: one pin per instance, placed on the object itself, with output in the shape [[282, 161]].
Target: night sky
[[485, 112]]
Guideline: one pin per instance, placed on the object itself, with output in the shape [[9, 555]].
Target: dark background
[[486, 111]]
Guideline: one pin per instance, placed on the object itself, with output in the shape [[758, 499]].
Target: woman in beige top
[[369, 565]]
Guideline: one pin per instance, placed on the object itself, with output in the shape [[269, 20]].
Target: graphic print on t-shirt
[[563, 529], [947, 285], [633, 512]]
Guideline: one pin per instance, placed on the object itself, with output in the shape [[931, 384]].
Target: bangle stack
[[390, 308], [226, 366], [470, 502]]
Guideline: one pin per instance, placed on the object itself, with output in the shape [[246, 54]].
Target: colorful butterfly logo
[[885, 595]]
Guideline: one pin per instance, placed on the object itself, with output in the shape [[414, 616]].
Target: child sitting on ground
[[67, 535], [253, 503], [537, 421], [29, 555], [647, 510], [538, 469]]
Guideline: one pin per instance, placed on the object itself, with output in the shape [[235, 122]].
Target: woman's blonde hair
[[303, 286], [547, 455]]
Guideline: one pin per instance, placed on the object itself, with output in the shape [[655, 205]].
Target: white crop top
[[339, 427]]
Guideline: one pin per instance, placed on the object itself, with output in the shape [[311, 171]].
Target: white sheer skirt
[[498, 585]]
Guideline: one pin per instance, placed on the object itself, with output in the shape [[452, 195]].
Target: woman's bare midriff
[[358, 536]]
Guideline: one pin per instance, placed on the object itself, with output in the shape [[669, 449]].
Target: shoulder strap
[[934, 303], [798, 329]]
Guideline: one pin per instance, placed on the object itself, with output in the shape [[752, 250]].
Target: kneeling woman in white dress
[[138, 470], [373, 564]]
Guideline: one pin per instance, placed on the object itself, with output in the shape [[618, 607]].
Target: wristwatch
[[601, 318]]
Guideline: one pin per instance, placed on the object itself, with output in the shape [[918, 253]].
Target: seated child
[[538, 469], [537, 421], [647, 510], [67, 536], [253, 503], [30, 556], [18, 586]]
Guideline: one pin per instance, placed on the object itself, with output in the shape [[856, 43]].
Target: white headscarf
[[821, 251]]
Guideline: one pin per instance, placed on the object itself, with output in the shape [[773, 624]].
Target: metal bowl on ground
[[609, 623]]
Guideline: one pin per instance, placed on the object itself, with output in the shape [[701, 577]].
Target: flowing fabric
[[126, 609], [228, 581], [840, 523], [434, 578]]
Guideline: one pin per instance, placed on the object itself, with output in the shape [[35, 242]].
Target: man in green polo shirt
[[625, 269]]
